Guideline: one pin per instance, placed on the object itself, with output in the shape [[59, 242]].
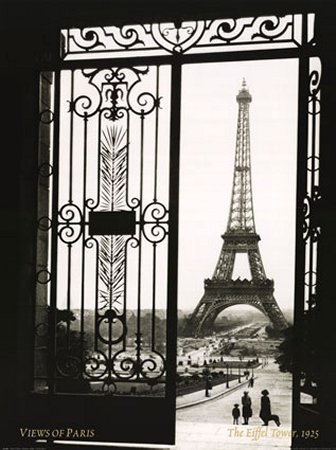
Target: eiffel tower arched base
[[220, 295]]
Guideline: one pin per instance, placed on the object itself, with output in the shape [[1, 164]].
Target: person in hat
[[235, 414], [265, 409], [247, 407]]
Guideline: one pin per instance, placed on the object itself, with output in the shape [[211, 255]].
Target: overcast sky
[[209, 123]]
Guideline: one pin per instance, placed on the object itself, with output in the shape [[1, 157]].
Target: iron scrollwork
[[243, 30], [314, 91], [312, 200], [68, 365], [273, 27], [311, 228], [125, 37], [181, 37], [155, 219], [111, 327], [178, 38], [96, 365], [70, 223]]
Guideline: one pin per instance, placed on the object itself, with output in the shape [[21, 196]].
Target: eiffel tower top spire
[[241, 217]]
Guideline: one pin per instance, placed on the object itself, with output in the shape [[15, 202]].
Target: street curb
[[220, 394]]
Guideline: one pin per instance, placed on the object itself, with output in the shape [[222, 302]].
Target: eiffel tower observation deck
[[221, 291]]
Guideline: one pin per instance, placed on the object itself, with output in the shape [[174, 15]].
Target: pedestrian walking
[[235, 413], [265, 409], [207, 378], [208, 385], [251, 382], [247, 407]]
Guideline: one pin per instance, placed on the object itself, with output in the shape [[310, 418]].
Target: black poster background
[[29, 43]]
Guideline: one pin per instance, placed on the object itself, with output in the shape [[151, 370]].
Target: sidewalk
[[195, 398], [207, 425]]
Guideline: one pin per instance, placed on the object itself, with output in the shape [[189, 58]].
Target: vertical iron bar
[[97, 258], [155, 199], [154, 296], [111, 271], [111, 238], [96, 297], [71, 137], [68, 39], [124, 313], [175, 116], [83, 240], [69, 295], [142, 118], [301, 191], [113, 172], [127, 156], [109, 349], [70, 201], [54, 243], [156, 133], [126, 241], [312, 185]]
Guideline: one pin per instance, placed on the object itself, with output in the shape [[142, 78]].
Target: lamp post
[[227, 375], [239, 380]]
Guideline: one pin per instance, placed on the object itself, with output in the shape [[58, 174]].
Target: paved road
[[208, 426]]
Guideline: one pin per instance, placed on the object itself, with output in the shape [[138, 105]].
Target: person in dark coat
[[265, 409], [251, 382], [247, 407], [235, 413], [207, 378], [208, 385]]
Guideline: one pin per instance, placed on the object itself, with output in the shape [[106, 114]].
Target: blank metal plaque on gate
[[114, 222]]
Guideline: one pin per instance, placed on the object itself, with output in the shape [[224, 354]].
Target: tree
[[305, 345], [285, 358], [273, 333]]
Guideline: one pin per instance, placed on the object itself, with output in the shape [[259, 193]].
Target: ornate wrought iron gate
[[108, 231], [108, 206]]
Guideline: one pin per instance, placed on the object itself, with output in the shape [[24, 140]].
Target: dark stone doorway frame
[[33, 46]]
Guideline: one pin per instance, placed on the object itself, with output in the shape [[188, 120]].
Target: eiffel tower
[[221, 291]]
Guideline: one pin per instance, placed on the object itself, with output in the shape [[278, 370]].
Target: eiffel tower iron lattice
[[221, 291]]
